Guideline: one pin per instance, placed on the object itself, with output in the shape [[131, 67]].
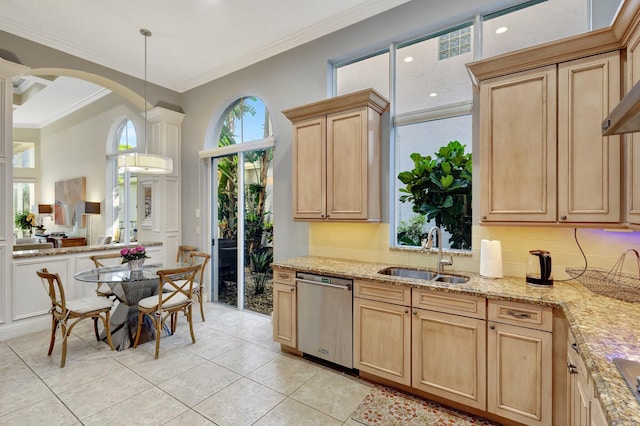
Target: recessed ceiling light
[[433, 94], [501, 30], [408, 59]]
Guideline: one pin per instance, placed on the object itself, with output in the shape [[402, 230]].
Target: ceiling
[[193, 41]]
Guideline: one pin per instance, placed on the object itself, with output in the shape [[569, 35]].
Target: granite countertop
[[22, 254], [604, 328]]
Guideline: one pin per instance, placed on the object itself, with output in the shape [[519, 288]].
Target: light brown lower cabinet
[[285, 314], [584, 408], [449, 356], [382, 339], [519, 376]]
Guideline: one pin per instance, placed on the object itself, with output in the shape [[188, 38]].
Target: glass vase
[[135, 264]]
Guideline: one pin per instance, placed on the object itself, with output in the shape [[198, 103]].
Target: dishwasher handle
[[341, 287]]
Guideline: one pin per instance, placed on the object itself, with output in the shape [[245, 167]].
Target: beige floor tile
[[48, 412], [190, 418], [245, 358], [169, 364], [199, 383], [151, 407], [12, 371], [213, 343], [285, 373], [291, 412], [100, 394], [78, 373], [332, 393], [242, 403], [21, 393]]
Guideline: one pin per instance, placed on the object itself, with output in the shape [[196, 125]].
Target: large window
[[432, 99], [24, 155], [125, 188]]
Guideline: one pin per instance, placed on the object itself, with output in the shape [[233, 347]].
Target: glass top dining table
[[129, 287]]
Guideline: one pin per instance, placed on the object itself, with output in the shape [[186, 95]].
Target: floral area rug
[[389, 407]]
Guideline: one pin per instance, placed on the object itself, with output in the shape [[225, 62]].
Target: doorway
[[242, 219]]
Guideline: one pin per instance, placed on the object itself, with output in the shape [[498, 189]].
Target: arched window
[[125, 138]]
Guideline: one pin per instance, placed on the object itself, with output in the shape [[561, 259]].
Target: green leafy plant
[[25, 220], [260, 268], [439, 187], [411, 231]]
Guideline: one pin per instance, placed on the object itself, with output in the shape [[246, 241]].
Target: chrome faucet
[[428, 243]]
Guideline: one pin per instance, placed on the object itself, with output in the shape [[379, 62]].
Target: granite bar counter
[[23, 254], [604, 328]]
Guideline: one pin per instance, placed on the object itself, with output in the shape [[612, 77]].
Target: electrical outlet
[[197, 213]]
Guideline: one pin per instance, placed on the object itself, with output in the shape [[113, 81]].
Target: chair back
[[178, 280], [98, 258], [202, 259], [55, 290], [183, 253]]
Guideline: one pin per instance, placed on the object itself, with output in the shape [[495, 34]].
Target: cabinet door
[[284, 314], [449, 357], [309, 169], [589, 164], [578, 388], [519, 374], [597, 414], [518, 147], [382, 340], [347, 165], [632, 141]]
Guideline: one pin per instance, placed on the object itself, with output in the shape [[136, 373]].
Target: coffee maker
[[539, 268]]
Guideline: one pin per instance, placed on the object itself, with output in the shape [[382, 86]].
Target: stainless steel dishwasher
[[325, 317]]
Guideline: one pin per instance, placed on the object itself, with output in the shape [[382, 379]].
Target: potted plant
[[25, 220], [440, 189]]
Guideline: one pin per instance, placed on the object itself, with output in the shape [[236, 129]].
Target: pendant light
[[138, 162]]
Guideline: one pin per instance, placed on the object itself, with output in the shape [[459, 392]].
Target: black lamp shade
[[91, 207]]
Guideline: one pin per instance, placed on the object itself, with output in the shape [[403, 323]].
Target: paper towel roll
[[490, 259]]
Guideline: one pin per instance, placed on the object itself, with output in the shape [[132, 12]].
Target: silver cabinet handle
[[572, 368], [492, 327], [518, 315], [406, 311]]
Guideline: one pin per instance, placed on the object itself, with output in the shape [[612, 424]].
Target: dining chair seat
[[104, 290], [88, 304], [152, 301]]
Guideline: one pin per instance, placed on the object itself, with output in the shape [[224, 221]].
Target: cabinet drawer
[[383, 292], [284, 276], [522, 314], [450, 303]]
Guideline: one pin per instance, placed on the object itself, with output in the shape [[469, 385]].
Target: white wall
[[76, 146]]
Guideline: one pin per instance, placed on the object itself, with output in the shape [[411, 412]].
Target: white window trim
[[224, 151]]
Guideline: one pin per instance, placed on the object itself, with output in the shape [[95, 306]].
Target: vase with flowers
[[25, 220], [134, 257]]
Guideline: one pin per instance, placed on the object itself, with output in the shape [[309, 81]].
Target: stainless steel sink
[[409, 273], [423, 275], [451, 279]]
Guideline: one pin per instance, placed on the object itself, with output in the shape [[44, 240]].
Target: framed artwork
[[147, 205], [68, 193]]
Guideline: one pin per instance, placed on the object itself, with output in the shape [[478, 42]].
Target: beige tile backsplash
[[370, 242]]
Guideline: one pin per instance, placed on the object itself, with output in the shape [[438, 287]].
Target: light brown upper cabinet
[[542, 154], [336, 158], [632, 151]]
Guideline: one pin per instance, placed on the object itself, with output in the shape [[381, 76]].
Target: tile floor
[[234, 375]]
